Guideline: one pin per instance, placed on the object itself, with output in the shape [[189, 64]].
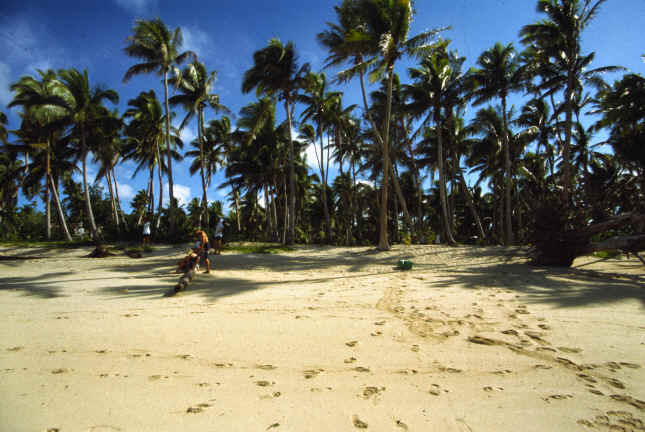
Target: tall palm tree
[[380, 34], [44, 112], [195, 86], [555, 41], [86, 111], [158, 47], [107, 156], [275, 72], [498, 75], [437, 86], [319, 104]]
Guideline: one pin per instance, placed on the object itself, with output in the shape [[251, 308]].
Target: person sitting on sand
[[202, 251], [219, 232]]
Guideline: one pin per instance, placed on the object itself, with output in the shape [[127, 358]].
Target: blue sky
[[224, 34]]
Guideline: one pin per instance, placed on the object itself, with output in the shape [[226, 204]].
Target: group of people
[[202, 245]]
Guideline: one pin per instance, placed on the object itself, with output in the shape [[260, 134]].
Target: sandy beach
[[321, 339]]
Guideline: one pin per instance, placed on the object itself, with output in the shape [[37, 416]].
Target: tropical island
[[464, 253]]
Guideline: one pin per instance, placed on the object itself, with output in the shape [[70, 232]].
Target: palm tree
[[159, 48], [499, 74], [86, 111], [146, 136], [319, 105], [43, 103], [555, 42], [195, 86], [437, 88], [107, 156], [275, 72], [380, 33]]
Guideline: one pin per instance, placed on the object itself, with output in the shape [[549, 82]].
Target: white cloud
[[137, 6], [187, 135], [5, 82], [181, 193], [197, 41], [367, 183], [125, 191]]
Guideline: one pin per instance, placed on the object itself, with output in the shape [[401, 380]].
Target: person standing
[[146, 232], [219, 233], [202, 251]]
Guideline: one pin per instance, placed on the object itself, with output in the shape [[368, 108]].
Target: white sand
[[322, 339]]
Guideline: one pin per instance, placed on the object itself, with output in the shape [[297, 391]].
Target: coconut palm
[[498, 75], [275, 72], [555, 42], [380, 34], [44, 112], [85, 109], [436, 88], [158, 47], [195, 86], [319, 104]]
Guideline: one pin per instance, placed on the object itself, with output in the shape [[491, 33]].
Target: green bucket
[[404, 264]]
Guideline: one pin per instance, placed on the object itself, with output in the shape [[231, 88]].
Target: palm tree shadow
[[40, 286], [561, 287]]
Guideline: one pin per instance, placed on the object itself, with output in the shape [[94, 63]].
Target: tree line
[[403, 154]]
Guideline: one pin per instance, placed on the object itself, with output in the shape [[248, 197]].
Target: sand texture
[[321, 339]]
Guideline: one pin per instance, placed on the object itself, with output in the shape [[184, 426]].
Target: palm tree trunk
[[324, 187], [471, 204], [566, 167], [236, 197], [160, 177], [115, 215], [47, 187], [508, 223], [171, 189], [118, 200], [151, 191], [200, 119], [61, 215], [442, 179], [383, 243], [292, 180], [88, 203]]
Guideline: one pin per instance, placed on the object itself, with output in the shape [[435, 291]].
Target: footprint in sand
[[629, 400], [370, 391], [266, 367], [491, 389], [350, 360], [435, 390], [197, 409], [358, 423], [630, 365], [376, 333], [59, 371], [570, 350], [541, 366], [351, 343], [400, 424], [361, 369], [264, 383], [614, 421], [15, 349], [587, 378], [557, 397], [311, 373], [415, 348], [379, 323], [615, 383]]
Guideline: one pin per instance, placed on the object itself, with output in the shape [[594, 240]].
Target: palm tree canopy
[[156, 46]]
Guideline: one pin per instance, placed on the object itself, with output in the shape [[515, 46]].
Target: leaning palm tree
[[380, 33], [86, 111], [195, 95], [44, 113], [158, 48], [498, 75], [555, 42], [275, 72]]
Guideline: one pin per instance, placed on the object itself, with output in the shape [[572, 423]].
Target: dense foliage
[[411, 167]]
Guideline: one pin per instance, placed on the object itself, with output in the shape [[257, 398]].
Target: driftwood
[[188, 276]]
